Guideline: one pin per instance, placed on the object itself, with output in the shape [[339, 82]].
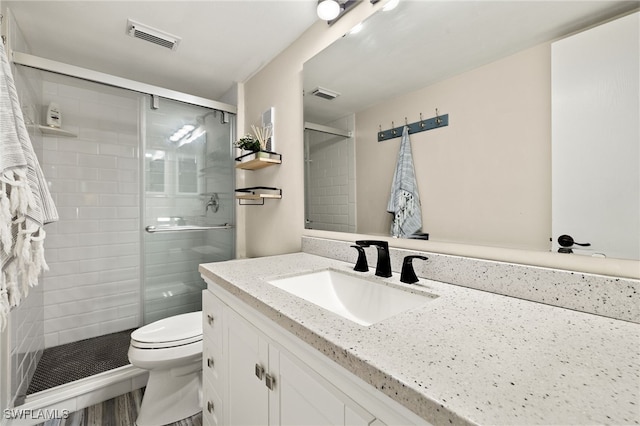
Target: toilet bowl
[[171, 349]]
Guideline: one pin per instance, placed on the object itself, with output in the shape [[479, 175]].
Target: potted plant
[[248, 143], [257, 142]]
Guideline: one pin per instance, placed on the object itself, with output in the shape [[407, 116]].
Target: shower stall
[[144, 186]]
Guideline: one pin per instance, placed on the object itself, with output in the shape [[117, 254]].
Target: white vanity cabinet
[[251, 377]]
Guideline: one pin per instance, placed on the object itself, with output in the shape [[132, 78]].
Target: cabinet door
[[248, 398], [304, 400]]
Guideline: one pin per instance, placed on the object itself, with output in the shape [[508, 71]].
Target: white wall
[[277, 226]]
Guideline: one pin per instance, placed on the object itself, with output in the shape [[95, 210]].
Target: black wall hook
[[417, 127]]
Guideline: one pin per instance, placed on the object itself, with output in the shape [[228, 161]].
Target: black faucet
[[408, 275], [361, 264], [383, 266]]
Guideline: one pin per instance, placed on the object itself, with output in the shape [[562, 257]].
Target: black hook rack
[[417, 127]]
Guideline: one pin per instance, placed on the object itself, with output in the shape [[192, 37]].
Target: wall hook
[[418, 126]]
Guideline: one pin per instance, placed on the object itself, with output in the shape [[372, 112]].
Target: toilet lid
[[168, 332]]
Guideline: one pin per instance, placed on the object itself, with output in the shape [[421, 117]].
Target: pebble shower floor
[[78, 360]]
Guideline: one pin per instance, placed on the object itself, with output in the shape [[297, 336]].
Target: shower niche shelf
[[54, 131], [255, 195], [258, 160]]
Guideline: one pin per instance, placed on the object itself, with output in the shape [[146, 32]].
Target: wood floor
[[119, 411]]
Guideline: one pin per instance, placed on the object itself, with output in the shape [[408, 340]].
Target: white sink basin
[[357, 299]]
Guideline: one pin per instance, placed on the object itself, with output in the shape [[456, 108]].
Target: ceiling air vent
[[324, 93], [152, 35]]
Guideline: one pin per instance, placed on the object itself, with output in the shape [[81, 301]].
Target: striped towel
[[404, 202], [25, 202]]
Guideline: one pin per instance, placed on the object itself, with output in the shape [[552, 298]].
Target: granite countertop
[[468, 356]]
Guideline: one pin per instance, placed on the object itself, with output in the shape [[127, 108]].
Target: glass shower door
[[189, 204]]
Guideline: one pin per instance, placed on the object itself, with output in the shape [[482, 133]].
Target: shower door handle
[[182, 228]]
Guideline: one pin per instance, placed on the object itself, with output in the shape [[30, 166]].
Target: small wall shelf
[[258, 160], [54, 131], [257, 193]]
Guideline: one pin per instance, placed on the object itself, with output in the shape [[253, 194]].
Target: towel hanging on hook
[[404, 200]]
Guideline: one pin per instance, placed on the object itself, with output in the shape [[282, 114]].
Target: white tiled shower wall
[[331, 185], [93, 285]]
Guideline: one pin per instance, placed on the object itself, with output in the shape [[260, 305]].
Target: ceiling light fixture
[[328, 9]]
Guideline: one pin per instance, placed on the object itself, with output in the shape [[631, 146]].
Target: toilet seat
[[169, 332]]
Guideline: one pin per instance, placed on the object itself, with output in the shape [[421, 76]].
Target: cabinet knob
[[210, 319], [270, 381], [210, 362], [259, 371], [210, 406]]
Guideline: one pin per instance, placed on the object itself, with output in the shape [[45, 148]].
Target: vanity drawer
[[212, 309], [212, 405], [213, 368]]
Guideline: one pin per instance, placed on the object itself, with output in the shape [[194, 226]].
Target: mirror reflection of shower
[[329, 165]]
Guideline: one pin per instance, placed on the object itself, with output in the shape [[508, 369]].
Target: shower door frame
[[33, 61]]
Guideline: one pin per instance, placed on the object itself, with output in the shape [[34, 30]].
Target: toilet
[[171, 349]]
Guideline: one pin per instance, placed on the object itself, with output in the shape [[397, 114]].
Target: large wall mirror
[[485, 178]]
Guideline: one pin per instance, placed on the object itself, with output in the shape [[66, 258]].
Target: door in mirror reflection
[[596, 141]]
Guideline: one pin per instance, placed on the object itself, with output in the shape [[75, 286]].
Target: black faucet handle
[[408, 275], [361, 264], [379, 243]]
